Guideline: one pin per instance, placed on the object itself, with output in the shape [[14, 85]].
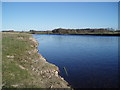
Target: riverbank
[[24, 67], [114, 33], [60, 31], [87, 31], [86, 34]]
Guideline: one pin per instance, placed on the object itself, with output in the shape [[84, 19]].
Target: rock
[[20, 38], [21, 67], [14, 85], [11, 57], [56, 73]]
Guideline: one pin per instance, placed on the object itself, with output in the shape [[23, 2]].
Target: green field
[[14, 48], [23, 67]]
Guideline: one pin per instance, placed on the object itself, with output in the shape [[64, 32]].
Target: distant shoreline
[[61, 31], [85, 34], [116, 34]]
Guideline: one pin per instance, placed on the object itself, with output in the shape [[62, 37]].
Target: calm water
[[91, 61]]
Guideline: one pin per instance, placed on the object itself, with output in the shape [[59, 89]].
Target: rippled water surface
[[90, 61]]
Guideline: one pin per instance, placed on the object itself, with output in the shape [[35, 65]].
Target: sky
[[23, 16], [60, 0]]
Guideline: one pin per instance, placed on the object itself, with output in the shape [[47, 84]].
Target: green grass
[[23, 67], [14, 47]]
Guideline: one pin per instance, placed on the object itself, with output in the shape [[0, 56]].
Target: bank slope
[[24, 67]]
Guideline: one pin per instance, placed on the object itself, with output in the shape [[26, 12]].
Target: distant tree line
[[40, 32], [77, 31], [7, 30], [60, 30], [99, 31]]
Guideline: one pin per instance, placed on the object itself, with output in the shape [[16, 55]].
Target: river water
[[90, 61]]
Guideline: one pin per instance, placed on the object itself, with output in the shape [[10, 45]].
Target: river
[[90, 61]]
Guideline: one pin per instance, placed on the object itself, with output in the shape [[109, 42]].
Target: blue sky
[[51, 15], [60, 0]]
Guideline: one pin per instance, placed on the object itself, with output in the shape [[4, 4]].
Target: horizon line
[[57, 28]]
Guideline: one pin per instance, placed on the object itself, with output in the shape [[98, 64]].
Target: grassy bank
[[23, 67]]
